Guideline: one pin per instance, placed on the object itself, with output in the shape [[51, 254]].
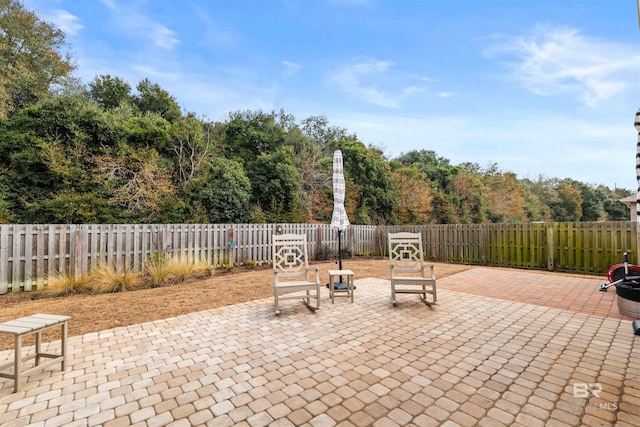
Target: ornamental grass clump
[[181, 270], [157, 270], [107, 278], [63, 284], [203, 269]]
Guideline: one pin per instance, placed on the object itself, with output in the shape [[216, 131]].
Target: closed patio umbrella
[[339, 220]]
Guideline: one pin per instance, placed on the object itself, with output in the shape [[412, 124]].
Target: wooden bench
[[23, 327]]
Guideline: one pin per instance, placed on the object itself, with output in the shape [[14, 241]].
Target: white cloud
[[412, 90], [60, 18], [290, 68], [146, 70], [351, 79], [214, 32], [109, 3], [553, 61], [162, 36], [64, 20], [131, 19]]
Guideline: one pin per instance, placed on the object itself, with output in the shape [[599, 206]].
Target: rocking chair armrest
[[432, 272], [392, 270], [316, 270]]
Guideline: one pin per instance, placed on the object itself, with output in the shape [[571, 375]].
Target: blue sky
[[541, 87]]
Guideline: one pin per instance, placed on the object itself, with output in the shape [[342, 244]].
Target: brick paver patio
[[502, 347]]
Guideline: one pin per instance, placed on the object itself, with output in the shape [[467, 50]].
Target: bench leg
[[350, 280], [63, 345], [17, 364], [38, 345]]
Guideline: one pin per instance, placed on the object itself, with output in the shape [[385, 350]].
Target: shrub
[[249, 263], [325, 253], [226, 267], [347, 252]]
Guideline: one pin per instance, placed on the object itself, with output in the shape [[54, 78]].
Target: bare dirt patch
[[93, 313]]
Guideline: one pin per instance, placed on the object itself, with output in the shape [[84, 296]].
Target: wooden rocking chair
[[291, 271], [408, 269]]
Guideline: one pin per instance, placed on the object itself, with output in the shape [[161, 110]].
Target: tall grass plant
[[107, 278]]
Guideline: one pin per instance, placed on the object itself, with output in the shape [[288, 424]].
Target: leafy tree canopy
[[31, 59], [109, 91], [153, 99]]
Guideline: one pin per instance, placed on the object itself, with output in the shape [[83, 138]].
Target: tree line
[[104, 152]]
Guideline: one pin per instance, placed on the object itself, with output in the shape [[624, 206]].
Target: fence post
[[550, 248], [77, 257], [352, 241], [483, 244], [4, 258]]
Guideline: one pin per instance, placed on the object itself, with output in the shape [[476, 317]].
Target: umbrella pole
[[340, 251], [340, 284]]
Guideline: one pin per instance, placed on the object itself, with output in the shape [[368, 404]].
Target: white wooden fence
[[30, 254]]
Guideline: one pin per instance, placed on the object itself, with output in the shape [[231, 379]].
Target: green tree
[[70, 206], [152, 98], [505, 196], [438, 169], [414, 196], [536, 195], [615, 210], [192, 143], [46, 154], [469, 197], [314, 142], [139, 181], [440, 174], [222, 190], [592, 205], [444, 208], [368, 177], [6, 216], [322, 134], [31, 58], [275, 185], [567, 203], [148, 130], [109, 91], [69, 160], [248, 134]]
